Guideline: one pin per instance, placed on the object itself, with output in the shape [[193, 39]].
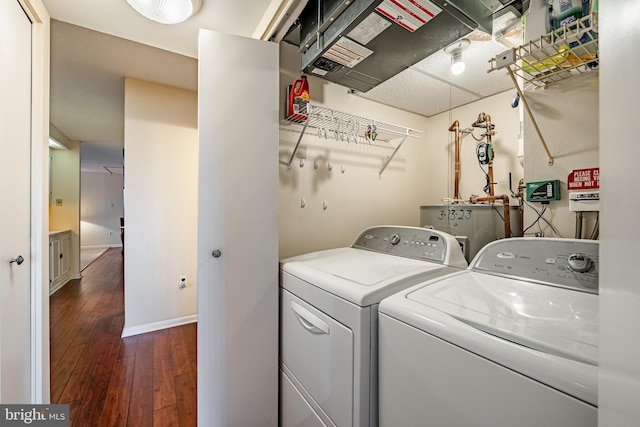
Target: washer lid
[[555, 321], [360, 276], [546, 333]]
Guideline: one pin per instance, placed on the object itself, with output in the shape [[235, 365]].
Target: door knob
[[217, 253], [19, 260]]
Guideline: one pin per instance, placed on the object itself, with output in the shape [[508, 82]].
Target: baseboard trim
[[59, 286], [156, 326], [114, 245]]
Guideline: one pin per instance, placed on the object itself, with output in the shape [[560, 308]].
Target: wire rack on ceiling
[[557, 55], [560, 54]]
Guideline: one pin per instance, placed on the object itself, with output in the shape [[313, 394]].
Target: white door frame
[[40, 385]]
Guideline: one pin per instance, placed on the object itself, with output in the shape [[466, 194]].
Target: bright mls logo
[[34, 415]]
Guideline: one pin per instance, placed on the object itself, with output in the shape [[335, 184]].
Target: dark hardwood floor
[[144, 380]]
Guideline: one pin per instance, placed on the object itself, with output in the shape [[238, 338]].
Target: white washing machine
[[511, 341], [329, 316]]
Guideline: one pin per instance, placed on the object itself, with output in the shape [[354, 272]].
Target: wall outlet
[[183, 281]]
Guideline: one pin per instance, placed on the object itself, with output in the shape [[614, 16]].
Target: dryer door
[[318, 351]]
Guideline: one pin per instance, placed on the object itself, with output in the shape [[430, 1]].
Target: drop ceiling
[[95, 44], [429, 88]]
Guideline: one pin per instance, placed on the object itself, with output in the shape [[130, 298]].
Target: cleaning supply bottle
[[298, 100]]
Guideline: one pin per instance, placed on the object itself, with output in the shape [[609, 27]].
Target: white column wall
[[161, 176], [619, 387]]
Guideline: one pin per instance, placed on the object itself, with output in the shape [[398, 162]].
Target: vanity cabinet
[[59, 257]]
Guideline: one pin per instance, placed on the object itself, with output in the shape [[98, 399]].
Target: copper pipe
[[521, 188], [490, 174], [479, 121], [455, 127], [505, 206], [489, 133]]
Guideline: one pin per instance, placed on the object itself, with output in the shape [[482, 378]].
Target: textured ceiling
[[94, 45], [117, 18], [429, 88], [87, 86], [87, 73]]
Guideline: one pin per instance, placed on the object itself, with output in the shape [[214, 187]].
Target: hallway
[[143, 380]]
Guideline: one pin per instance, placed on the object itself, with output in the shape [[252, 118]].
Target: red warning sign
[[584, 179], [409, 14]]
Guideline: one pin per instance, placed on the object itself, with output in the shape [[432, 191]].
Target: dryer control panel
[[567, 263], [411, 242]]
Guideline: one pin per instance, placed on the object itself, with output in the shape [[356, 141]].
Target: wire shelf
[[346, 127], [557, 55], [329, 123]]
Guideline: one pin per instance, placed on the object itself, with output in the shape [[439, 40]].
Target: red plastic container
[[298, 100]]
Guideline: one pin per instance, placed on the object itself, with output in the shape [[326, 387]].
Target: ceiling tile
[[431, 78], [415, 91]]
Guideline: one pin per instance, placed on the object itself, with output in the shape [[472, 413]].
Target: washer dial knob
[[394, 239], [580, 263]]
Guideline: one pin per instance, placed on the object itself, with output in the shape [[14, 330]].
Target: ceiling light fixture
[[54, 143], [455, 50], [166, 11]]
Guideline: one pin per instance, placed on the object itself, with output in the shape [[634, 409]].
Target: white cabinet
[[59, 256]]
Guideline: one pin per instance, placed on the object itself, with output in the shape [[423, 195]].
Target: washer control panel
[[408, 242], [567, 263]]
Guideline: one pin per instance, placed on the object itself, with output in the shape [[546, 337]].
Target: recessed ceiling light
[[166, 11]]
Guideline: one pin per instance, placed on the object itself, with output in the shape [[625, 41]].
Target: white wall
[[357, 198], [65, 186], [100, 209], [441, 155], [161, 178], [619, 387], [420, 173], [567, 114]]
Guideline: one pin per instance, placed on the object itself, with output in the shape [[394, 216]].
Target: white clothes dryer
[[511, 341], [329, 317]]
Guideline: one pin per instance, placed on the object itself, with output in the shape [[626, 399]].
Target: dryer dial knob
[[394, 239], [580, 263]]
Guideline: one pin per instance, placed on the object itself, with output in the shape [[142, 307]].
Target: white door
[[237, 216], [15, 203]]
